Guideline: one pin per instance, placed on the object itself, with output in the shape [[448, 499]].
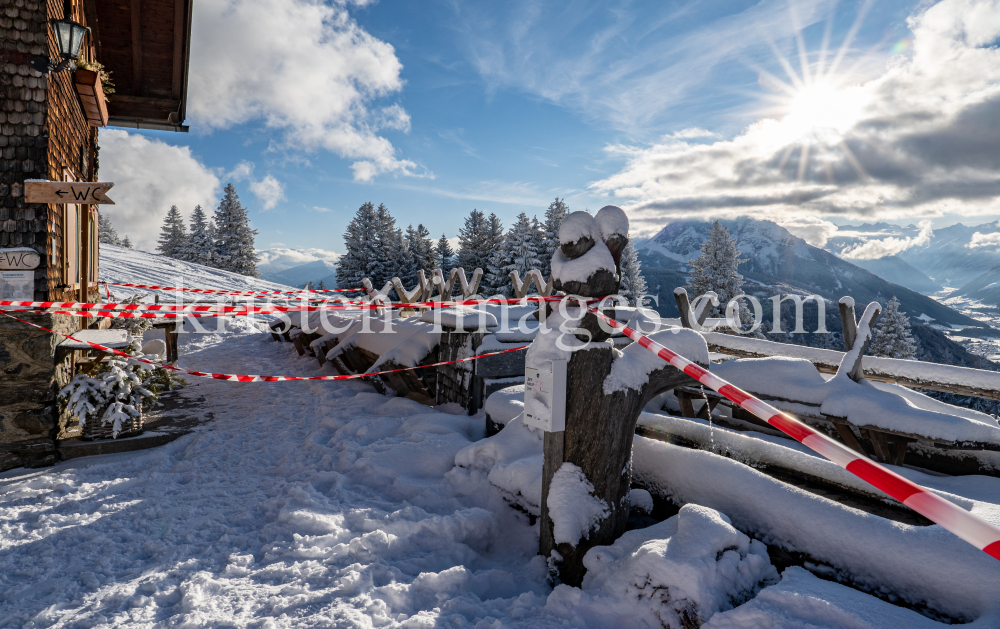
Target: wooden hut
[[48, 131]]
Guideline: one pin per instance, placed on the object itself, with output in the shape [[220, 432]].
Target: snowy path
[[303, 504]]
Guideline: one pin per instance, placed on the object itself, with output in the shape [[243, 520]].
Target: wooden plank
[[136, 47], [899, 450], [176, 84], [878, 441], [502, 365], [88, 192], [850, 440]]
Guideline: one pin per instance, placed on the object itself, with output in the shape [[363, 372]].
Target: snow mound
[[803, 601], [577, 225], [512, 460], [611, 220], [580, 269], [640, 499], [504, 405], [572, 505], [683, 570], [632, 366]]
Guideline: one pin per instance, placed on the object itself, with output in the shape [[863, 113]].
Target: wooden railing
[[911, 373]]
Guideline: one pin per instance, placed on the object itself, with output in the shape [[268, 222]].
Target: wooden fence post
[[599, 427], [856, 372], [848, 322]]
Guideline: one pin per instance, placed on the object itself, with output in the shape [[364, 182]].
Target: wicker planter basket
[[94, 429]]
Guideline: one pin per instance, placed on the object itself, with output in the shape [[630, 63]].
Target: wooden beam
[[683, 307], [136, 48], [179, 40], [90, 11], [849, 323], [856, 372]]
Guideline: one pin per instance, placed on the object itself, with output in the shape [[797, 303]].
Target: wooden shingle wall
[[42, 134], [23, 136]]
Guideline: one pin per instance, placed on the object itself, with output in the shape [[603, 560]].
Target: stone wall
[[32, 371], [454, 382]]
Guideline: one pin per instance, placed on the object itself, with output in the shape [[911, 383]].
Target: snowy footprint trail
[[302, 504]]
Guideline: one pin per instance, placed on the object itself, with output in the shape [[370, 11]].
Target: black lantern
[[69, 38]]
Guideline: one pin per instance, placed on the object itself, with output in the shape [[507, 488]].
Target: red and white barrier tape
[[266, 309], [94, 314], [950, 516], [248, 377], [212, 291], [188, 308]]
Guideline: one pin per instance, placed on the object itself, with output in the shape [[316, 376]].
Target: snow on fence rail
[[910, 373]]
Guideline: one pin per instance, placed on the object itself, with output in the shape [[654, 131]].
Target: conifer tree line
[[224, 241], [379, 250]]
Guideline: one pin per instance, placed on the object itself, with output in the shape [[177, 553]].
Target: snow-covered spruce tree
[[116, 396], [633, 284], [421, 248], [126, 242], [554, 216], [108, 235], [715, 270], [360, 241], [199, 243], [473, 237], [892, 337], [173, 234], [538, 237], [444, 254], [521, 248], [235, 237], [494, 280], [321, 285]]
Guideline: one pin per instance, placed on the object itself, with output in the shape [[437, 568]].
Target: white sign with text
[[17, 285], [545, 396]]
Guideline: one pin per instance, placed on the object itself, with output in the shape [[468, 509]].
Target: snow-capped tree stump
[[599, 426]]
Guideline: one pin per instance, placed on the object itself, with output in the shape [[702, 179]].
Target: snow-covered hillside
[[131, 266], [325, 504]]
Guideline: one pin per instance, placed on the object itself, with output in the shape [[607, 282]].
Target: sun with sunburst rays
[[818, 103]]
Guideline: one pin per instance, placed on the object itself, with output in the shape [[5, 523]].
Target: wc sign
[[19, 258]]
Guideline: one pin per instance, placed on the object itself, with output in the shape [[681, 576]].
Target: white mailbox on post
[[545, 396]]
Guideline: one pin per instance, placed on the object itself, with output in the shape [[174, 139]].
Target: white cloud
[[874, 249], [149, 177], [303, 67], [269, 190], [919, 140], [984, 240], [813, 230], [280, 258]]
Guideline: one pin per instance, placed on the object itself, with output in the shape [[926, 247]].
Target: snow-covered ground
[[131, 266], [326, 504]]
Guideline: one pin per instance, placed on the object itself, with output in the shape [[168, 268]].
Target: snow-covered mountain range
[[952, 256], [778, 261]]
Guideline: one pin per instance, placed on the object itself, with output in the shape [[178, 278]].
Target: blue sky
[[495, 106]]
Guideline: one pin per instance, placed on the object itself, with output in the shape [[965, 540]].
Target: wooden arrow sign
[[36, 191]]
